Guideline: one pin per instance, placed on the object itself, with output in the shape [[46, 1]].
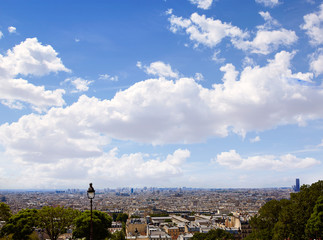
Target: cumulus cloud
[[159, 111], [137, 165], [268, 3], [203, 4], [79, 84], [11, 29], [29, 57], [316, 62], [266, 41], [108, 167], [210, 32], [159, 69], [206, 31], [269, 20], [233, 160], [313, 26], [1, 34]]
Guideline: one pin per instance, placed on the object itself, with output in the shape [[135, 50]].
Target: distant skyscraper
[[296, 187]]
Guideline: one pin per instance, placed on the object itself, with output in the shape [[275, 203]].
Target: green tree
[[314, 226], [118, 235], [283, 228], [101, 223], [56, 220], [21, 225], [217, 234], [5, 213], [289, 219], [303, 204], [122, 217], [263, 223], [114, 216]]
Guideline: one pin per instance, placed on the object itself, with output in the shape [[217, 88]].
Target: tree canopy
[[56, 220], [314, 226], [298, 218], [5, 213], [217, 234], [21, 225], [101, 223], [122, 217]]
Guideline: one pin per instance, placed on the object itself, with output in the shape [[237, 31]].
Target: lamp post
[[91, 195]]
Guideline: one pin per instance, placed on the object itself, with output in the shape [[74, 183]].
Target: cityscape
[[154, 211]]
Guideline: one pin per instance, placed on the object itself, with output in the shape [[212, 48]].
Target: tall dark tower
[[296, 187]]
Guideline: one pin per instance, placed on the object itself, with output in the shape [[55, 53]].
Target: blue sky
[[165, 93]]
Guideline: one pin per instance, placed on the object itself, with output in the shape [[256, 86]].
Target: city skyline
[[163, 93]]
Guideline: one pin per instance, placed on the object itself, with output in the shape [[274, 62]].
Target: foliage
[[21, 225], [118, 235], [101, 223], [263, 223], [122, 217], [314, 226], [56, 220], [5, 213], [217, 234], [114, 216], [295, 219]]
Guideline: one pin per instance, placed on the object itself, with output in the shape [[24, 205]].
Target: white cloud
[[160, 111], [139, 64], [79, 84], [267, 41], [233, 160], [203, 4], [159, 69], [255, 139], [29, 58], [177, 23], [210, 33], [199, 77], [307, 77], [247, 61], [11, 29], [1, 35], [313, 26], [107, 168], [216, 57], [139, 165], [109, 77], [268, 3], [316, 62], [270, 21], [12, 104], [169, 11]]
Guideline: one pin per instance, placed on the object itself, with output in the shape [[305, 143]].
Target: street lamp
[[91, 195]]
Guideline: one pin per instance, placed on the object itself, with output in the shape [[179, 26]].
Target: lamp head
[[91, 192]]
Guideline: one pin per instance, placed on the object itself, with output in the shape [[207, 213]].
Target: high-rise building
[[296, 187]]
